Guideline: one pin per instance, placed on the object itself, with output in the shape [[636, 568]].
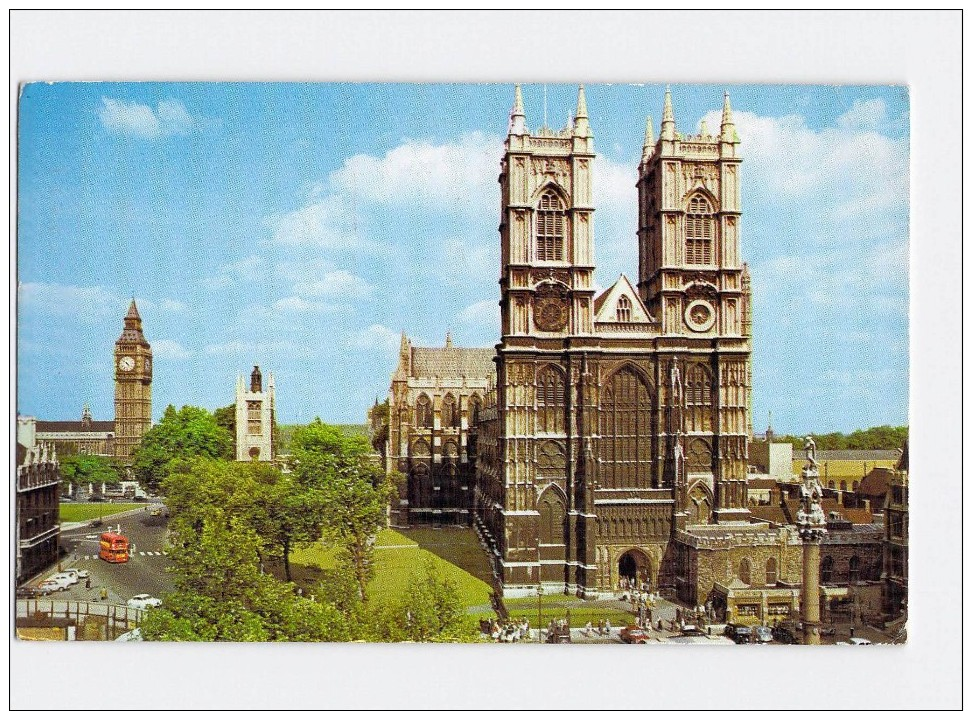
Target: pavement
[[145, 572]]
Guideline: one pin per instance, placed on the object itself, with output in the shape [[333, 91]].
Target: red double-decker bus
[[114, 548]]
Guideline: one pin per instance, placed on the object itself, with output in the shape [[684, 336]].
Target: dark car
[[784, 635], [632, 634], [97, 497], [29, 591], [740, 634]]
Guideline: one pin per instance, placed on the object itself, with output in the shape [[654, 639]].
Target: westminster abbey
[[606, 437]]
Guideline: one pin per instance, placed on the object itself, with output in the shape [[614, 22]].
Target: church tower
[[547, 325], [255, 418], [133, 385], [695, 285]]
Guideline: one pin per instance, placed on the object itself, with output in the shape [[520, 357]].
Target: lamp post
[[811, 527], [539, 611]]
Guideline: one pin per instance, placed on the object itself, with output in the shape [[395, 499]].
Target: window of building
[[254, 413], [550, 400], [551, 462], [771, 571], [474, 406], [423, 411], [625, 424], [450, 413], [553, 517], [854, 570], [698, 399], [745, 571], [551, 227], [699, 231], [827, 570], [624, 309]]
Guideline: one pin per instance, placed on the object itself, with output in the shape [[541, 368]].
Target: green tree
[[378, 416], [83, 469], [180, 434], [226, 418], [431, 611], [221, 595]]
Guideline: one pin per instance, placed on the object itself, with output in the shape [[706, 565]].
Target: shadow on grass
[[459, 546]]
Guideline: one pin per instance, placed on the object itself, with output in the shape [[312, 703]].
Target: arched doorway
[[634, 568]]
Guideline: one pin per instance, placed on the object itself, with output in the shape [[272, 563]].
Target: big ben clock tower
[[133, 385]]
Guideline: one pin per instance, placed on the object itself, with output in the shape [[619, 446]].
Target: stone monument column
[[811, 525]]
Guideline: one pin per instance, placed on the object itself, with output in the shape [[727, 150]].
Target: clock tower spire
[[133, 385]]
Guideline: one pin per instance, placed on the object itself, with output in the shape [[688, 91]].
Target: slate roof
[[452, 362], [75, 426]]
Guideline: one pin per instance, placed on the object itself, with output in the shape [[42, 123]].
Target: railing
[[76, 610], [28, 480]]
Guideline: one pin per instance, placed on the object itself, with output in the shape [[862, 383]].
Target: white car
[[68, 575], [143, 602], [79, 574], [54, 584]]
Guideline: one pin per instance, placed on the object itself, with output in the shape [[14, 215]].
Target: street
[[145, 572]]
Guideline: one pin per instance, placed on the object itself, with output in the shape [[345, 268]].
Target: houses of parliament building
[[606, 436]]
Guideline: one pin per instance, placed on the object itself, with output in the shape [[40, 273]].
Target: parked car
[[80, 574], [740, 634], [692, 631], [54, 585], [29, 592], [66, 499], [70, 576], [784, 635], [143, 602], [859, 642], [139, 497], [97, 497], [632, 634], [762, 635]]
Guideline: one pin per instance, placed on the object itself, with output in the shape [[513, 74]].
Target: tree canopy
[[882, 437], [180, 434], [82, 469]]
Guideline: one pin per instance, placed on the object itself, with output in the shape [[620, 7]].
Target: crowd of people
[[509, 631]]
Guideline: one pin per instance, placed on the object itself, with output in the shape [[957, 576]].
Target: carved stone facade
[[255, 417], [434, 405], [621, 418]]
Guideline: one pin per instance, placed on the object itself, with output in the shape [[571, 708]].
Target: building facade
[[38, 477], [255, 418], [70, 437], [895, 577], [434, 406], [133, 385], [620, 419]]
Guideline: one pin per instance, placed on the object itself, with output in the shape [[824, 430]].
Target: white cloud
[[340, 284], [872, 113], [484, 312], [81, 303], [164, 349], [297, 305], [173, 305], [257, 348], [249, 269], [376, 337], [134, 119], [331, 223]]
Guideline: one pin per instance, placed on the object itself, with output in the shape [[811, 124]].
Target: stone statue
[[810, 447]]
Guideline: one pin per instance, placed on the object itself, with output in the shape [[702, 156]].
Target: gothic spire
[[649, 140], [728, 130], [517, 117], [132, 332], [668, 118], [582, 126]]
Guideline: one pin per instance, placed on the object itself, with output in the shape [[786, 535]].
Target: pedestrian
[[87, 583], [104, 593]]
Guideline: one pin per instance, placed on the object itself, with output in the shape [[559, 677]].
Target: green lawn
[[556, 606], [398, 557], [71, 513]]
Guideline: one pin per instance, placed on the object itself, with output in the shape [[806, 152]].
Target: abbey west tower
[[617, 420], [133, 385]]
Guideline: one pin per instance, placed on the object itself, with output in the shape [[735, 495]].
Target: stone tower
[[133, 385], [695, 286], [547, 320], [254, 418]]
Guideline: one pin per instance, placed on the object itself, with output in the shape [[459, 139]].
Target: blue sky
[[304, 226]]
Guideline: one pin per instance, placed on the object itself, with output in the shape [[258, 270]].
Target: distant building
[[37, 479], [434, 405], [843, 469], [895, 578], [133, 404], [772, 460], [255, 418]]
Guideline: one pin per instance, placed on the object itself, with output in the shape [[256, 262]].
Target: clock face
[[550, 314], [699, 316], [127, 363]]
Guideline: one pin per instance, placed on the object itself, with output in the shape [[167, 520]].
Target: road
[[145, 572]]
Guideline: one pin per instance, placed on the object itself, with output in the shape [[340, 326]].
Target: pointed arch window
[[699, 231], [551, 227], [450, 415], [624, 309], [550, 401], [423, 411], [625, 429], [698, 399], [474, 407]]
